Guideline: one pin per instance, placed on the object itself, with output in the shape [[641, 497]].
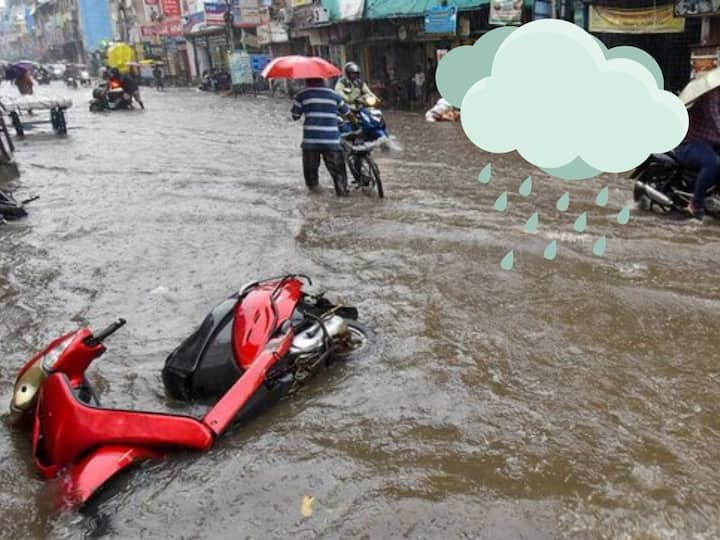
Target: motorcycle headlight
[[376, 115], [51, 357]]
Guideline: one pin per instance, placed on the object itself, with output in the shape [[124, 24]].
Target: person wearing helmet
[[351, 87]]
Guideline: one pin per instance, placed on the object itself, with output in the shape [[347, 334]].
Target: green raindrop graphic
[[507, 262], [624, 216], [485, 174], [581, 222], [602, 197], [563, 202], [501, 202], [550, 250], [599, 247], [532, 223], [526, 187]]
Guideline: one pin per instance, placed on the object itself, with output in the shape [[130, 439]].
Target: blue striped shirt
[[320, 106]]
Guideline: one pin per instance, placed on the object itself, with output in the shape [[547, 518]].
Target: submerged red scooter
[[255, 347]]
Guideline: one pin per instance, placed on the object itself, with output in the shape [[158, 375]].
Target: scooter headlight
[[52, 356]]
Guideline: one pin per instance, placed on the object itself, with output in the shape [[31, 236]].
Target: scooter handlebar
[[101, 336]]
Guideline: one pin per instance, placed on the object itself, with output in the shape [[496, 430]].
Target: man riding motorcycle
[[128, 84], [698, 148], [352, 88]]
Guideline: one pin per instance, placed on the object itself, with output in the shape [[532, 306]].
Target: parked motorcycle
[[258, 345], [10, 209], [216, 81], [663, 183], [115, 98]]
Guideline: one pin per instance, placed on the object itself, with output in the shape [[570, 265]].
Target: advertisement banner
[[215, 14], [241, 68], [696, 8], [170, 8], [96, 23], [344, 10], [700, 62], [659, 20], [441, 20], [249, 14], [259, 61], [506, 12]]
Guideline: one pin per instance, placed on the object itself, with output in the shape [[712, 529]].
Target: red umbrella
[[300, 67]]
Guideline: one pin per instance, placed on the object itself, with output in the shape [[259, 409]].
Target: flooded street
[[573, 398]]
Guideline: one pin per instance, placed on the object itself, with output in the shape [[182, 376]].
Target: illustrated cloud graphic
[[565, 102]]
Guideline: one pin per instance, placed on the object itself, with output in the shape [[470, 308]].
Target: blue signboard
[[441, 20], [259, 61], [96, 22]]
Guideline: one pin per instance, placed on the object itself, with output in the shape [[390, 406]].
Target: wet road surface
[[574, 398]]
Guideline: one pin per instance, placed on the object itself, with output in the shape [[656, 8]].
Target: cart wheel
[[17, 124], [58, 121]]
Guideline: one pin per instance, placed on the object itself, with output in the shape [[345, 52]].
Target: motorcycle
[[42, 77], [110, 96], [10, 209], [662, 182], [371, 126], [84, 77], [260, 344]]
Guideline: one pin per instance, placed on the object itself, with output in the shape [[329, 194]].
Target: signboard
[[696, 8], [215, 13], [700, 62], [660, 20], [441, 20], [272, 33], [506, 12], [249, 14], [259, 61], [193, 21], [241, 68], [170, 8]]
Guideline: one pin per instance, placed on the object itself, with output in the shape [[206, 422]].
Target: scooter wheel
[[362, 343]]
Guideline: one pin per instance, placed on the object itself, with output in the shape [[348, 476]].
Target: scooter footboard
[[96, 468]]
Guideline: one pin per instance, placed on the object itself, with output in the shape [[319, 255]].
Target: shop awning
[[386, 9]]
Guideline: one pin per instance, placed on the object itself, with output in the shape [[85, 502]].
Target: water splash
[[526, 187], [507, 261], [602, 197], [563, 203], [501, 202], [624, 216], [581, 222], [599, 247], [550, 250], [532, 223], [485, 174]]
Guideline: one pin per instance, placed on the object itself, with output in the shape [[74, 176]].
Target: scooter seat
[[69, 428]]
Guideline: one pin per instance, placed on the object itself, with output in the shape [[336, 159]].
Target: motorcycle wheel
[[362, 342]]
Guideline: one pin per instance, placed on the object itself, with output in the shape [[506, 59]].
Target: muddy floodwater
[[572, 398]]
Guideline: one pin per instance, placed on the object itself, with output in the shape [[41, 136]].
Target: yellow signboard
[[300, 3], [657, 20]]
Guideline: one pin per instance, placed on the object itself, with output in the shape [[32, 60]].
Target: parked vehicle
[[258, 345]]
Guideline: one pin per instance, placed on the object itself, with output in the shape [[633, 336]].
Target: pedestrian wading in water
[[321, 135]]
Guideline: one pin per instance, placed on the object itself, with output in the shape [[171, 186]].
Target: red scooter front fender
[[97, 467]]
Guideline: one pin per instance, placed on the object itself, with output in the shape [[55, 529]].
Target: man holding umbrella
[[320, 106]]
